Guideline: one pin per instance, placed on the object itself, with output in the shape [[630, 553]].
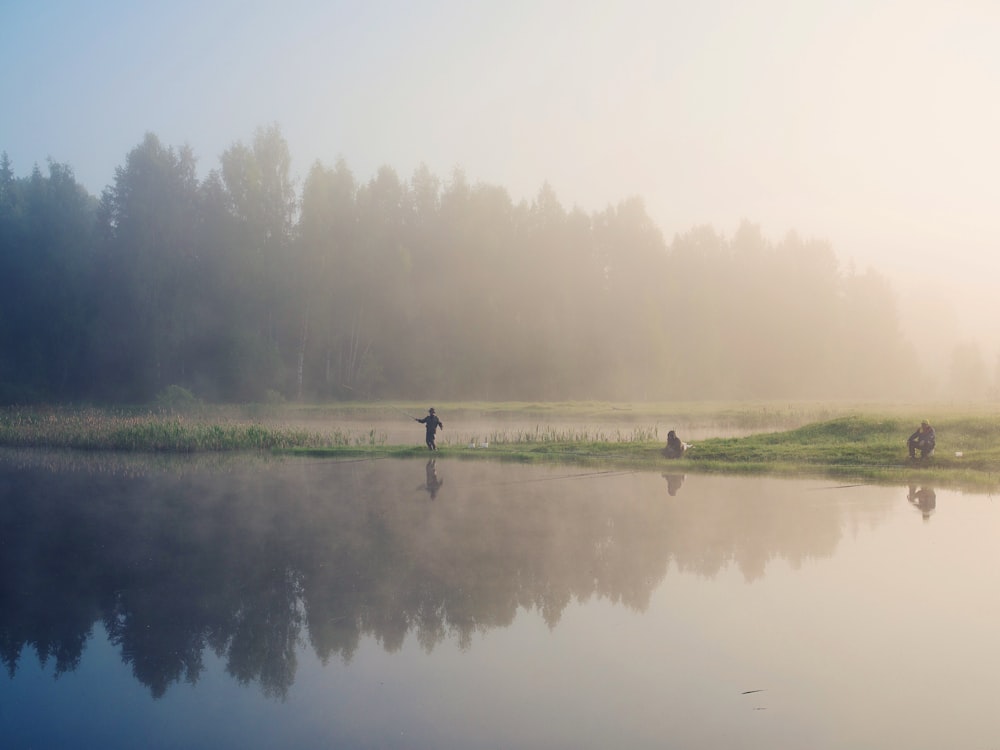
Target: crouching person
[[922, 440], [675, 447]]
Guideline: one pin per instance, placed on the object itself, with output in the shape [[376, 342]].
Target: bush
[[175, 399]]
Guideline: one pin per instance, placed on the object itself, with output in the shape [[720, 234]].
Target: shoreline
[[869, 447]]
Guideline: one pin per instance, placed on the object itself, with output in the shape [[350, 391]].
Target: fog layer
[[238, 287]]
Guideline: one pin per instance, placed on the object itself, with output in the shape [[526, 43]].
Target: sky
[[870, 124]]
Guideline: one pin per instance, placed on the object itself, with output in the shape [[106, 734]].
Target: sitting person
[[675, 448], [922, 440]]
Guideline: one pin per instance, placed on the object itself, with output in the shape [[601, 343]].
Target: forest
[[245, 287]]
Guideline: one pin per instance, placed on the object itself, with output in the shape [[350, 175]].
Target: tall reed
[[96, 429]]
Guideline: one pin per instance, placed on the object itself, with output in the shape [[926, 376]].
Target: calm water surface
[[472, 604]]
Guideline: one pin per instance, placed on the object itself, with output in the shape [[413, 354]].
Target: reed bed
[[541, 435], [93, 429]]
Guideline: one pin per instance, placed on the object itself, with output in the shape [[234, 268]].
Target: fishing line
[[379, 401], [405, 414], [351, 460], [513, 451], [837, 487], [587, 475], [313, 460]]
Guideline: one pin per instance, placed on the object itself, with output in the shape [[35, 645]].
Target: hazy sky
[[873, 124]]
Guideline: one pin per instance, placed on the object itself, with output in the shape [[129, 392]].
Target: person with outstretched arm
[[432, 422]]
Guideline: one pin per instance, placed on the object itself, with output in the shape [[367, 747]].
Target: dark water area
[[260, 603]]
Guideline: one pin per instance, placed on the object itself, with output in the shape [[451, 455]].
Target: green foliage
[[237, 288], [273, 397], [93, 429], [863, 447], [846, 429], [46, 251], [175, 399]]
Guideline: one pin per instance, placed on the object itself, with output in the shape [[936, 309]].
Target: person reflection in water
[[925, 499], [433, 482], [674, 482]]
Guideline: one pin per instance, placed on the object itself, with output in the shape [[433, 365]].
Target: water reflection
[[924, 499], [248, 563], [674, 482], [433, 482]]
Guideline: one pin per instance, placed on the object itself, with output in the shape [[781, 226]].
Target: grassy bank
[[851, 448], [127, 430], [867, 447]]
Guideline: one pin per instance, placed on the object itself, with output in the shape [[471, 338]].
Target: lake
[[252, 602]]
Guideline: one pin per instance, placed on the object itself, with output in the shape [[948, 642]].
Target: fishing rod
[[380, 401], [405, 414]]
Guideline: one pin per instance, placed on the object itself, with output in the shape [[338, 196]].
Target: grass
[[868, 448], [126, 430], [867, 444]]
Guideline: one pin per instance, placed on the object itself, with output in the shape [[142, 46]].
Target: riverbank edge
[[648, 457], [867, 448]]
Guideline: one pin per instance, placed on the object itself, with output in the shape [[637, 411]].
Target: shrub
[[175, 399]]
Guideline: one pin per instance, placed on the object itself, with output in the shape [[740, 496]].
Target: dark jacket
[[675, 446], [432, 422], [923, 437]]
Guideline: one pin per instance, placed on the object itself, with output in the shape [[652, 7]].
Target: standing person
[[922, 439], [432, 422]]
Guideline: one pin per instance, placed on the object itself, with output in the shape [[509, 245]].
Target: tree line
[[241, 286]]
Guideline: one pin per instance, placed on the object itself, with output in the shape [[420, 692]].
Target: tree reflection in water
[[248, 560]]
